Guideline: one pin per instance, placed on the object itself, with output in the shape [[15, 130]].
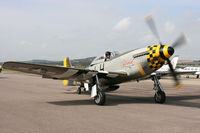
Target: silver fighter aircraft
[[105, 73]]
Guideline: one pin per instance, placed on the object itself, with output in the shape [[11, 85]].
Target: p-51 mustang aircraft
[[105, 73]]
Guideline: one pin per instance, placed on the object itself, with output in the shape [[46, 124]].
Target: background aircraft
[[105, 74], [190, 71]]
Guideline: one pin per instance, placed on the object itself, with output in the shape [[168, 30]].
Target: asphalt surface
[[30, 104]]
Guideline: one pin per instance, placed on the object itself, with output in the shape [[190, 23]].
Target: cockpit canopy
[[100, 59]]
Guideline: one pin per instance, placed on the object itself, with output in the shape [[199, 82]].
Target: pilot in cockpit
[[107, 55]]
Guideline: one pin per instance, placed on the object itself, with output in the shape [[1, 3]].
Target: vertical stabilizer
[[174, 61], [66, 63]]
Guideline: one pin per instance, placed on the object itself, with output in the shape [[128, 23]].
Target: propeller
[[152, 26], [177, 82], [179, 42]]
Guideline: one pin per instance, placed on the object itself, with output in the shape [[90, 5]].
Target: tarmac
[[30, 104]]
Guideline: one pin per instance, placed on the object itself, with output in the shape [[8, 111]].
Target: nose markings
[[165, 52], [153, 58]]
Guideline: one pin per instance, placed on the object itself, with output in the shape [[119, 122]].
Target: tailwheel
[[79, 90], [84, 89], [160, 97], [100, 98]]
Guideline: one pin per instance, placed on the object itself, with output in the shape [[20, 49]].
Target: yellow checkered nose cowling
[[158, 54]]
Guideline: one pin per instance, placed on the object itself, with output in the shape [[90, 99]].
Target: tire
[[84, 89], [79, 90], [160, 97], [100, 99], [197, 76]]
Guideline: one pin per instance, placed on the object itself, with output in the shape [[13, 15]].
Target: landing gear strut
[[159, 96], [100, 98]]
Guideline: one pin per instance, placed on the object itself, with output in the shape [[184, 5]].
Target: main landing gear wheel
[[160, 97], [100, 98]]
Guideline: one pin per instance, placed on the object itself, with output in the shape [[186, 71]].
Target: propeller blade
[[177, 83], [180, 41], [150, 22]]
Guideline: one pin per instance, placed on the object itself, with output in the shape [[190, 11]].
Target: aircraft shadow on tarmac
[[3, 77], [113, 100]]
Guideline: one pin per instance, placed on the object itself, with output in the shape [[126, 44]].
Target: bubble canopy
[[101, 58]]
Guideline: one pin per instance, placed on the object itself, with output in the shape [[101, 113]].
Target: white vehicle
[[0, 68], [192, 70]]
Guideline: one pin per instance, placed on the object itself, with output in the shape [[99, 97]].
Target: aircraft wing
[[166, 73], [58, 72]]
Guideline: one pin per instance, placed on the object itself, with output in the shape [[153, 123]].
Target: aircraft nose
[[166, 51]]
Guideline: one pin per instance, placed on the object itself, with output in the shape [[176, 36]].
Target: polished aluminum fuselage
[[134, 63]]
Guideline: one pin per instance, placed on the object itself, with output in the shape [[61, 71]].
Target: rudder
[[66, 63]]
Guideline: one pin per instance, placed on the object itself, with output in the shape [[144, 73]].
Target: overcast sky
[[54, 29]]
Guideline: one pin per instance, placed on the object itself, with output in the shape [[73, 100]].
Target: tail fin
[[66, 63], [174, 61]]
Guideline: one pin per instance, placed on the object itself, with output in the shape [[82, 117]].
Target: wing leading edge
[[58, 72]]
